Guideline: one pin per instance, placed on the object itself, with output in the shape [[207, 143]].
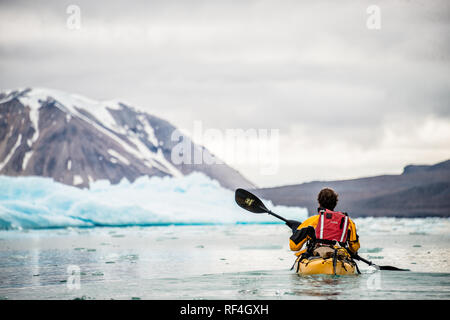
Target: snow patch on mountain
[[76, 140]]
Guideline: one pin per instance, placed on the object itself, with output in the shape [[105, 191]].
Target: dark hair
[[327, 198]]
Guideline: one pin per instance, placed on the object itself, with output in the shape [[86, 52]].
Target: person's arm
[[353, 239], [304, 232]]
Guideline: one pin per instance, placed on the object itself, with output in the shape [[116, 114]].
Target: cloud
[[310, 69]]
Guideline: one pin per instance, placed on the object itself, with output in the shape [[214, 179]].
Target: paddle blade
[[249, 201], [391, 268]]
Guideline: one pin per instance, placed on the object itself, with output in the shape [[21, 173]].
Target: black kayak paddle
[[370, 263], [252, 203]]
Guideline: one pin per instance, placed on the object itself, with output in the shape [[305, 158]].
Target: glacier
[[39, 202]]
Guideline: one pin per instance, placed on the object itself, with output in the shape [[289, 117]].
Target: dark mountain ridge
[[420, 191]]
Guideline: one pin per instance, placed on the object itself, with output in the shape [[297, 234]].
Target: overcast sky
[[348, 101]]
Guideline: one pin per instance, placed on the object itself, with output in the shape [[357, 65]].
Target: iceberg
[[38, 202]]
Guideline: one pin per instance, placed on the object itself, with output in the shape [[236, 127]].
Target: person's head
[[327, 198]]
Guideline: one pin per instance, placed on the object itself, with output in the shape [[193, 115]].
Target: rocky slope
[[76, 140]]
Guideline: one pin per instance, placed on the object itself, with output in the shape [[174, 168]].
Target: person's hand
[[293, 224]]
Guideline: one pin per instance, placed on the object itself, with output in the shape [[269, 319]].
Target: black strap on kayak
[[294, 263], [351, 258], [343, 265], [334, 260], [297, 260], [356, 265]]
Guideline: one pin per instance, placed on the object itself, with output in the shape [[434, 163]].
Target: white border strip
[[345, 228]]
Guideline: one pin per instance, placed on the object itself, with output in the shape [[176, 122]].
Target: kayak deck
[[325, 266]]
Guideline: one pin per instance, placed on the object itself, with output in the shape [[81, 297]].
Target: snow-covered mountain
[[76, 140]]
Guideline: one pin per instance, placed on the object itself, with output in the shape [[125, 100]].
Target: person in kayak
[[326, 231]]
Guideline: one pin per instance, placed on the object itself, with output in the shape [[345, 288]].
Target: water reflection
[[328, 286]]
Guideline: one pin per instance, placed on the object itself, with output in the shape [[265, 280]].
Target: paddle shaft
[[277, 216], [370, 263]]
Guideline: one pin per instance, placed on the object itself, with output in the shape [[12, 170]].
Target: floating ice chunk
[[36, 202]]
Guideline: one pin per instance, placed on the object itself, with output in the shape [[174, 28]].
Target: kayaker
[[326, 231]]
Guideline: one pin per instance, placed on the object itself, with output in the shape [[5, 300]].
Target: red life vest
[[332, 225]]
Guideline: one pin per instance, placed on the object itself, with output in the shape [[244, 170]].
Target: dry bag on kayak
[[332, 226]]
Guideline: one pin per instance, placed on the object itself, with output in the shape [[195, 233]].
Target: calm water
[[218, 262]]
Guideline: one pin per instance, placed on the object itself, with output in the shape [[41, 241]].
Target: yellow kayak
[[318, 265]]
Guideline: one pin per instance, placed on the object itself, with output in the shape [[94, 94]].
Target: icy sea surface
[[185, 238], [217, 262]]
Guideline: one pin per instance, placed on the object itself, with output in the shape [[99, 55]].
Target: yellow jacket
[[353, 239]]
